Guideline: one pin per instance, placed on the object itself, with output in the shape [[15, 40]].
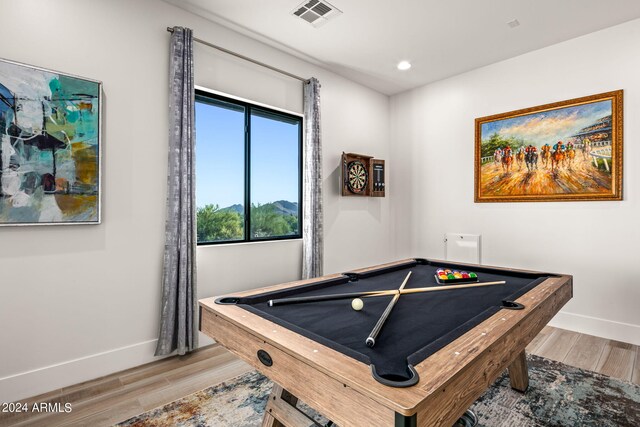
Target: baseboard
[[53, 377], [604, 328]]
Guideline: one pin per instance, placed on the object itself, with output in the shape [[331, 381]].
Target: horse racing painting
[[565, 151], [49, 147]]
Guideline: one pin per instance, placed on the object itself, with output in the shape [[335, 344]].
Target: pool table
[[435, 355]]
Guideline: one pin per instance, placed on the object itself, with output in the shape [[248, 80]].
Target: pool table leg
[[406, 421], [281, 410], [519, 373]]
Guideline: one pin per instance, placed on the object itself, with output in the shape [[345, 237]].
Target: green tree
[[292, 220], [266, 222], [495, 141], [216, 225]]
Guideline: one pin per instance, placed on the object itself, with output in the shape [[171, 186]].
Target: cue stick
[[368, 294], [371, 339]]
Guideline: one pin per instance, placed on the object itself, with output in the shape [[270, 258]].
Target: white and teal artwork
[[49, 147]]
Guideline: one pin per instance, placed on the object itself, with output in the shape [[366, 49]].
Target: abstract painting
[[49, 147], [565, 151]]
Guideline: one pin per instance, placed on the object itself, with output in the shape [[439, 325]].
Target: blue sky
[[549, 126], [220, 158]]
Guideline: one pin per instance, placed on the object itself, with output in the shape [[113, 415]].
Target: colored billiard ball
[[357, 304], [450, 276], [465, 275], [473, 275], [457, 275]]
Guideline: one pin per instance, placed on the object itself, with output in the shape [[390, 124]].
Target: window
[[248, 171]]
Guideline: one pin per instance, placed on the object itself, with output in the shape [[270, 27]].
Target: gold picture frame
[[563, 151]]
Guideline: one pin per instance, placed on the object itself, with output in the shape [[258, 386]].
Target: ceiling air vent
[[316, 12]]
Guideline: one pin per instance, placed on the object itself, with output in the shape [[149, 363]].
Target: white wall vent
[[316, 12]]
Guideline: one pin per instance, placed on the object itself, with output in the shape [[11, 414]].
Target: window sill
[[257, 242]]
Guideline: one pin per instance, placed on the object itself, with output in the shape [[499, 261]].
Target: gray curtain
[[312, 234], [178, 329]]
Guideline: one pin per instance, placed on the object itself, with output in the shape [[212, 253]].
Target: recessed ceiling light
[[513, 24], [404, 65]]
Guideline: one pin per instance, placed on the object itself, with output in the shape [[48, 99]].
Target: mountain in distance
[[234, 208], [286, 208], [282, 207]]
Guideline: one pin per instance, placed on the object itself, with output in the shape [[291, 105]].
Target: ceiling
[[440, 38]]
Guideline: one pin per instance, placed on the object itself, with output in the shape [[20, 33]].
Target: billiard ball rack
[[461, 281], [446, 276], [362, 175]]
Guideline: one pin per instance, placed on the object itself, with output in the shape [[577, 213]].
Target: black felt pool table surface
[[419, 325]]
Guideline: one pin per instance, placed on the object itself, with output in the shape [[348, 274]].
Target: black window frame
[[204, 96]]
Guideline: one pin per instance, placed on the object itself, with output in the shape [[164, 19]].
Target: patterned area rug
[[558, 395]]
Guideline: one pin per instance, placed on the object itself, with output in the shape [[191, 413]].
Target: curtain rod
[[262, 64]]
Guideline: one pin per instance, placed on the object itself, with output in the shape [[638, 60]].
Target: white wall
[[432, 137], [78, 302], [83, 301]]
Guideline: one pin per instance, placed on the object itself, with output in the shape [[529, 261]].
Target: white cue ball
[[357, 304]]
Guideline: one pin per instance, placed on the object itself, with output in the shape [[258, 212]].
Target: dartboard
[[357, 177]]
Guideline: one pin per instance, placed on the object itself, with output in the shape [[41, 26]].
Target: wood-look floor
[[117, 397]]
